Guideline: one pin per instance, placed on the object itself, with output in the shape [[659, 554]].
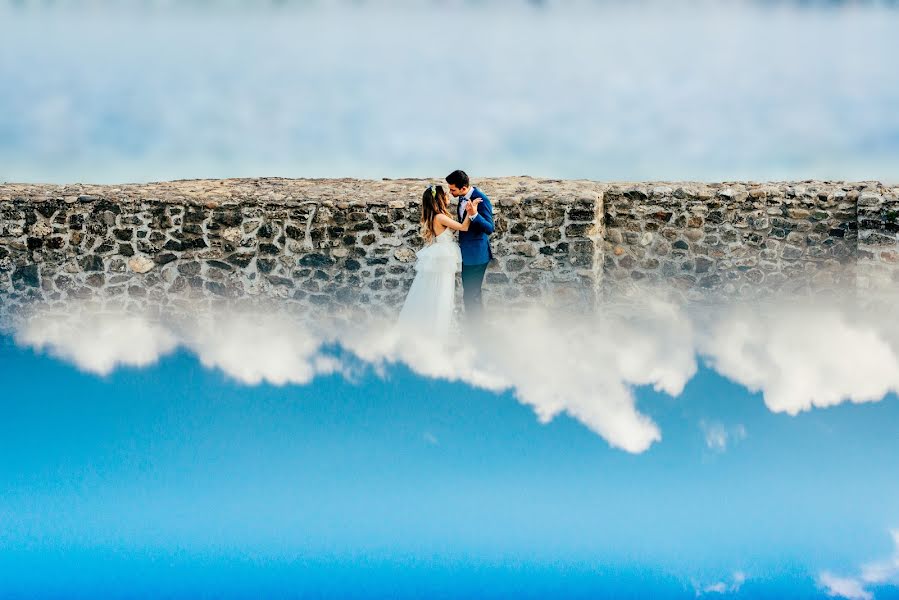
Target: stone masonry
[[329, 244], [333, 244]]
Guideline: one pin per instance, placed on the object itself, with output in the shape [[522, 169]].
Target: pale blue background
[[108, 91]]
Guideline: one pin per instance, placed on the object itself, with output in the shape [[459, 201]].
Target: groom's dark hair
[[457, 178]]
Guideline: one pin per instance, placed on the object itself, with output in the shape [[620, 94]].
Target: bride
[[428, 308]]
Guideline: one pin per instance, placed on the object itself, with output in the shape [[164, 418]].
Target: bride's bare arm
[[451, 223]]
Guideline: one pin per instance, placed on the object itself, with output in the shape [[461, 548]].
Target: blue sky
[[176, 478]]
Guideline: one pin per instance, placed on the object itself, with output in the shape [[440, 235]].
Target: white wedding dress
[[428, 309]]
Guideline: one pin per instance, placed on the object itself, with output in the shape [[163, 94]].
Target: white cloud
[[257, 347], [722, 587], [798, 356], [583, 368], [98, 342], [843, 587], [802, 356], [249, 347], [878, 573], [886, 570], [718, 436]]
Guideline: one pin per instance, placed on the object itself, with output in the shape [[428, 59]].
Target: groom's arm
[[484, 220]]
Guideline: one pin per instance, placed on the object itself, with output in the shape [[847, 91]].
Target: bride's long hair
[[433, 203]]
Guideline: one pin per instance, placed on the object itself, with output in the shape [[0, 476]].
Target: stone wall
[[334, 244], [878, 231], [328, 244], [733, 238]]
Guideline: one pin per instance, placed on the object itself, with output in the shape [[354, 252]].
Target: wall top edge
[[402, 192]]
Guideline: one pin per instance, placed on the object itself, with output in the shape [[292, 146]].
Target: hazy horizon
[[604, 91]]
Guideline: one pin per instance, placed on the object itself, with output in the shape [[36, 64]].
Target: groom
[[474, 243]]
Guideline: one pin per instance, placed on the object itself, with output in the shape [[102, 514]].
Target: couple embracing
[[428, 308]]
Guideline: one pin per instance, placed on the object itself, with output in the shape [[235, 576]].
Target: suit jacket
[[475, 243]]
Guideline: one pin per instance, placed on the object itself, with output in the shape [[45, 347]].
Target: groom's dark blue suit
[[476, 251]]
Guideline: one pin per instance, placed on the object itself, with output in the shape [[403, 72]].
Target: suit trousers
[[472, 280]]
